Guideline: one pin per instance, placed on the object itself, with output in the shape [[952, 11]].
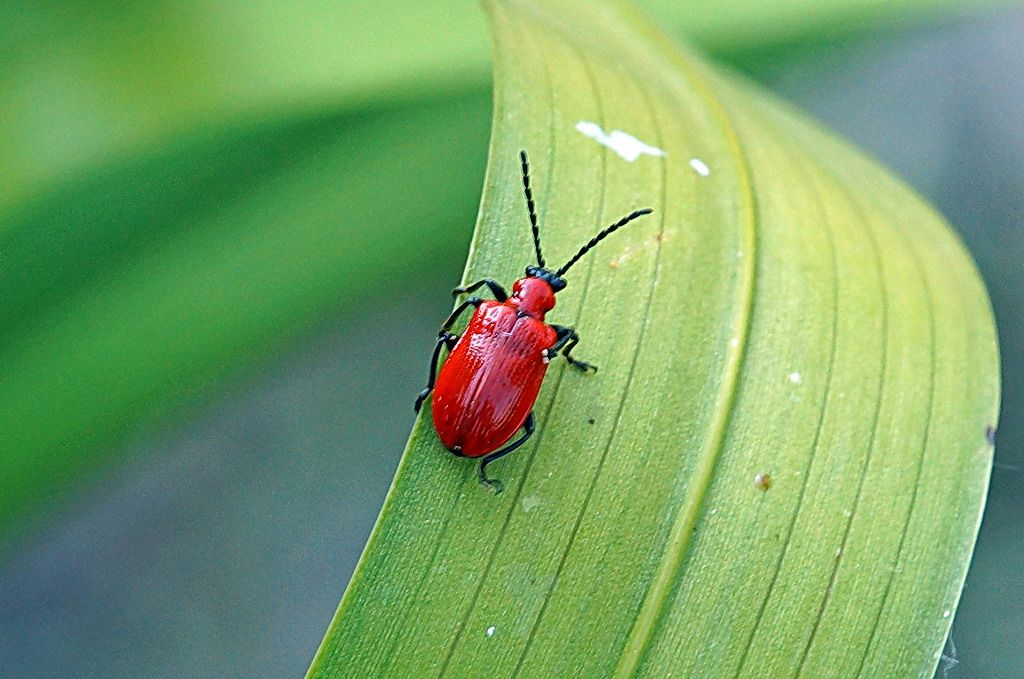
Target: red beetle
[[489, 383]]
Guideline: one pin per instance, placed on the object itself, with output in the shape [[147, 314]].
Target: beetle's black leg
[[450, 321], [568, 338], [495, 484], [446, 339], [582, 366], [496, 290]]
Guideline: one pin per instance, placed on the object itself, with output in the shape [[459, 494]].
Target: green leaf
[[779, 469], [146, 285]]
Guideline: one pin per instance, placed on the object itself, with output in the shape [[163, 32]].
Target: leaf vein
[[876, 253], [682, 530], [919, 265], [629, 377], [816, 441]]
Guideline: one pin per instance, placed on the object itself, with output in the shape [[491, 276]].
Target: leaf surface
[[779, 469]]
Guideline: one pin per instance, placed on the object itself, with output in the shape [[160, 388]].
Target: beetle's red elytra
[[487, 386]]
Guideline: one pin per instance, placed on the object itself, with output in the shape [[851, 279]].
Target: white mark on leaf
[[531, 502], [490, 631], [700, 167], [795, 378], [626, 145]]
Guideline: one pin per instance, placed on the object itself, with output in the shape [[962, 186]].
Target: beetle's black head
[[550, 277]]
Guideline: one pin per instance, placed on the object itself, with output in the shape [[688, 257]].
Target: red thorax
[[533, 297]]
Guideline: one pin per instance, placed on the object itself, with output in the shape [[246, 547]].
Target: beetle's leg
[[582, 366], [495, 484], [568, 338], [450, 321], [446, 339], [496, 290]]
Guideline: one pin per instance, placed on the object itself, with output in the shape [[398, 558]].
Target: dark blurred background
[[220, 539]]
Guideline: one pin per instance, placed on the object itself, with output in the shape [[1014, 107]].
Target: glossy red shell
[[489, 382]]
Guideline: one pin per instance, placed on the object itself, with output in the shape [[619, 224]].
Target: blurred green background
[[227, 234]]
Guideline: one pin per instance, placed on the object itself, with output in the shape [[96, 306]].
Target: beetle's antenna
[[530, 206], [602, 235]]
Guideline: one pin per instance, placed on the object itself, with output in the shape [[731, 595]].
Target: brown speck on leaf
[[590, 421], [763, 481]]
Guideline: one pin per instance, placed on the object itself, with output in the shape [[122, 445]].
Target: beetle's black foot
[[448, 338], [420, 399], [459, 291], [493, 485], [582, 366]]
